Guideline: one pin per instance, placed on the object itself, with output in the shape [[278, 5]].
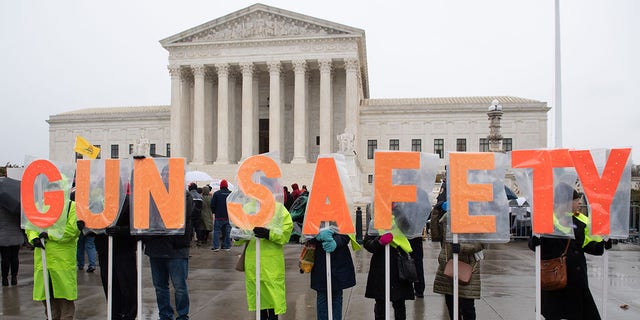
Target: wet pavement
[[217, 291]]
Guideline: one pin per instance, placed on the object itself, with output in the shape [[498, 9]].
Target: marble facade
[[263, 79]]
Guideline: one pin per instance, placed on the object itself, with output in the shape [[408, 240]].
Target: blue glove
[[329, 246], [445, 206], [325, 235]]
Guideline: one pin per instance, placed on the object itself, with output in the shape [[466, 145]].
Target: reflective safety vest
[[354, 244], [587, 230], [564, 229], [399, 239]]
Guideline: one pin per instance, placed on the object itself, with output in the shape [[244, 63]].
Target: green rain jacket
[[61, 261], [272, 284]]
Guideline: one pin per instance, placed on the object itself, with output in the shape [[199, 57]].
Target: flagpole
[[558, 79]]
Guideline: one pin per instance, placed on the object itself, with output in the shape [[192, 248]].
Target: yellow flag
[[83, 147]]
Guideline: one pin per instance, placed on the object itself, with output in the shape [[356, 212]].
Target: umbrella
[[10, 194], [193, 176]]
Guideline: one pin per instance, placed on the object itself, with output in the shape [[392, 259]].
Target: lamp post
[[495, 136]]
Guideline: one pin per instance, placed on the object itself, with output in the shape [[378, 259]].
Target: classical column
[[247, 110], [326, 107], [175, 72], [352, 68], [299, 113], [198, 113], [256, 114], [223, 113], [186, 110], [235, 126], [210, 119], [275, 108]]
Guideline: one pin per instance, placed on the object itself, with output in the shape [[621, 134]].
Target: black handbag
[[406, 267]]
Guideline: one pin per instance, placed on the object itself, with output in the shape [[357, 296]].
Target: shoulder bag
[[406, 267], [553, 272], [465, 271], [240, 263]]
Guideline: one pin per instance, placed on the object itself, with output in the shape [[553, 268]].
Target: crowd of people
[[207, 213]]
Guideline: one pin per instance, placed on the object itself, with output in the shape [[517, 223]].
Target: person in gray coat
[[11, 238]]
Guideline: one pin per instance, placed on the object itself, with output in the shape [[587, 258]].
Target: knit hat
[[224, 184]]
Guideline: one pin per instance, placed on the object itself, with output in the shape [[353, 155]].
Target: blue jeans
[[87, 243], [322, 307], [224, 227], [177, 269]]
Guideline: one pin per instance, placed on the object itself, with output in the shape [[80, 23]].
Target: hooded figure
[[575, 300], [273, 300], [295, 191], [61, 262]]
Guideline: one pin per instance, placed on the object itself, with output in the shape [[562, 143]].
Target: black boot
[[5, 281], [14, 280]]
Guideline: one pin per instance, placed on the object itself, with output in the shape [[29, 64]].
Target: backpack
[[298, 208], [435, 226]]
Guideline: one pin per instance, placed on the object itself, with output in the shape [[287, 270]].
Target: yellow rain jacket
[[272, 281], [61, 260]]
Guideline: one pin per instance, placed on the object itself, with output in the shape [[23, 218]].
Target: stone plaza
[[217, 291]]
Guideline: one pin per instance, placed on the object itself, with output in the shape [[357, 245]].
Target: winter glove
[[38, 243], [43, 235], [80, 225], [535, 241], [329, 246], [455, 248], [385, 239], [607, 244], [325, 235], [261, 232], [445, 206]]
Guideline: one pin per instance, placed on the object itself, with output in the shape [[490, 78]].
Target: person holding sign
[[400, 290], [275, 235], [124, 289], [467, 253], [575, 300], [61, 264], [169, 259], [343, 274]]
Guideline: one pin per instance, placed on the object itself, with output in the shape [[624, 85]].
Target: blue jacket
[[219, 204], [343, 274]]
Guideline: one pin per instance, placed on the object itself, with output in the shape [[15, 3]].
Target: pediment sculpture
[[260, 25]]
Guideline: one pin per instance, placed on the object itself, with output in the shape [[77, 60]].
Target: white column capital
[[325, 65], [198, 70], [247, 69], [223, 69], [351, 64], [174, 70], [299, 66], [274, 67]]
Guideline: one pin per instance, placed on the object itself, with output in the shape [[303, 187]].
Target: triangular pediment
[[260, 22]]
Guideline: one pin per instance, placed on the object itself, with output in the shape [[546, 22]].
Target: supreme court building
[[263, 79]]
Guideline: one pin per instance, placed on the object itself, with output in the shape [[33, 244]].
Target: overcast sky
[[59, 56]]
